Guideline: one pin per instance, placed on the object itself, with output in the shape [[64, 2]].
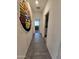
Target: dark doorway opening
[[36, 27], [46, 24]]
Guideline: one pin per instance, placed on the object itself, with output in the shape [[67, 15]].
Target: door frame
[[46, 24]]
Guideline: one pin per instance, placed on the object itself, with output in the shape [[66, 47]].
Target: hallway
[[37, 48], [39, 29]]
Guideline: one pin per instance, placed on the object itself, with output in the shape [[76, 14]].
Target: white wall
[[54, 27], [23, 39]]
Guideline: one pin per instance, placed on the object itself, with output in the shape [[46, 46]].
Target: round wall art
[[25, 15]]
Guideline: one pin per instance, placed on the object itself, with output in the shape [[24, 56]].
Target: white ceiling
[[41, 4]]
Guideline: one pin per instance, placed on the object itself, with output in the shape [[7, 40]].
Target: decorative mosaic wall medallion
[[25, 15]]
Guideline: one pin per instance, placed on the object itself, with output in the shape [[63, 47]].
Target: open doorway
[[46, 24], [37, 24]]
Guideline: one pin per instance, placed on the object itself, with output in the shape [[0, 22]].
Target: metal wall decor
[[25, 16]]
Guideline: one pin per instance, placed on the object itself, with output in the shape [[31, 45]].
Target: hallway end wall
[[40, 15]]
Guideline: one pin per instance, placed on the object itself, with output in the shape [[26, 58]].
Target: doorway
[[37, 24], [46, 24]]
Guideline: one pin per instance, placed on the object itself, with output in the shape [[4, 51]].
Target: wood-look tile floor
[[37, 48]]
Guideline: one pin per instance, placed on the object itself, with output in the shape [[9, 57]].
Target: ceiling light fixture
[[36, 2]]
